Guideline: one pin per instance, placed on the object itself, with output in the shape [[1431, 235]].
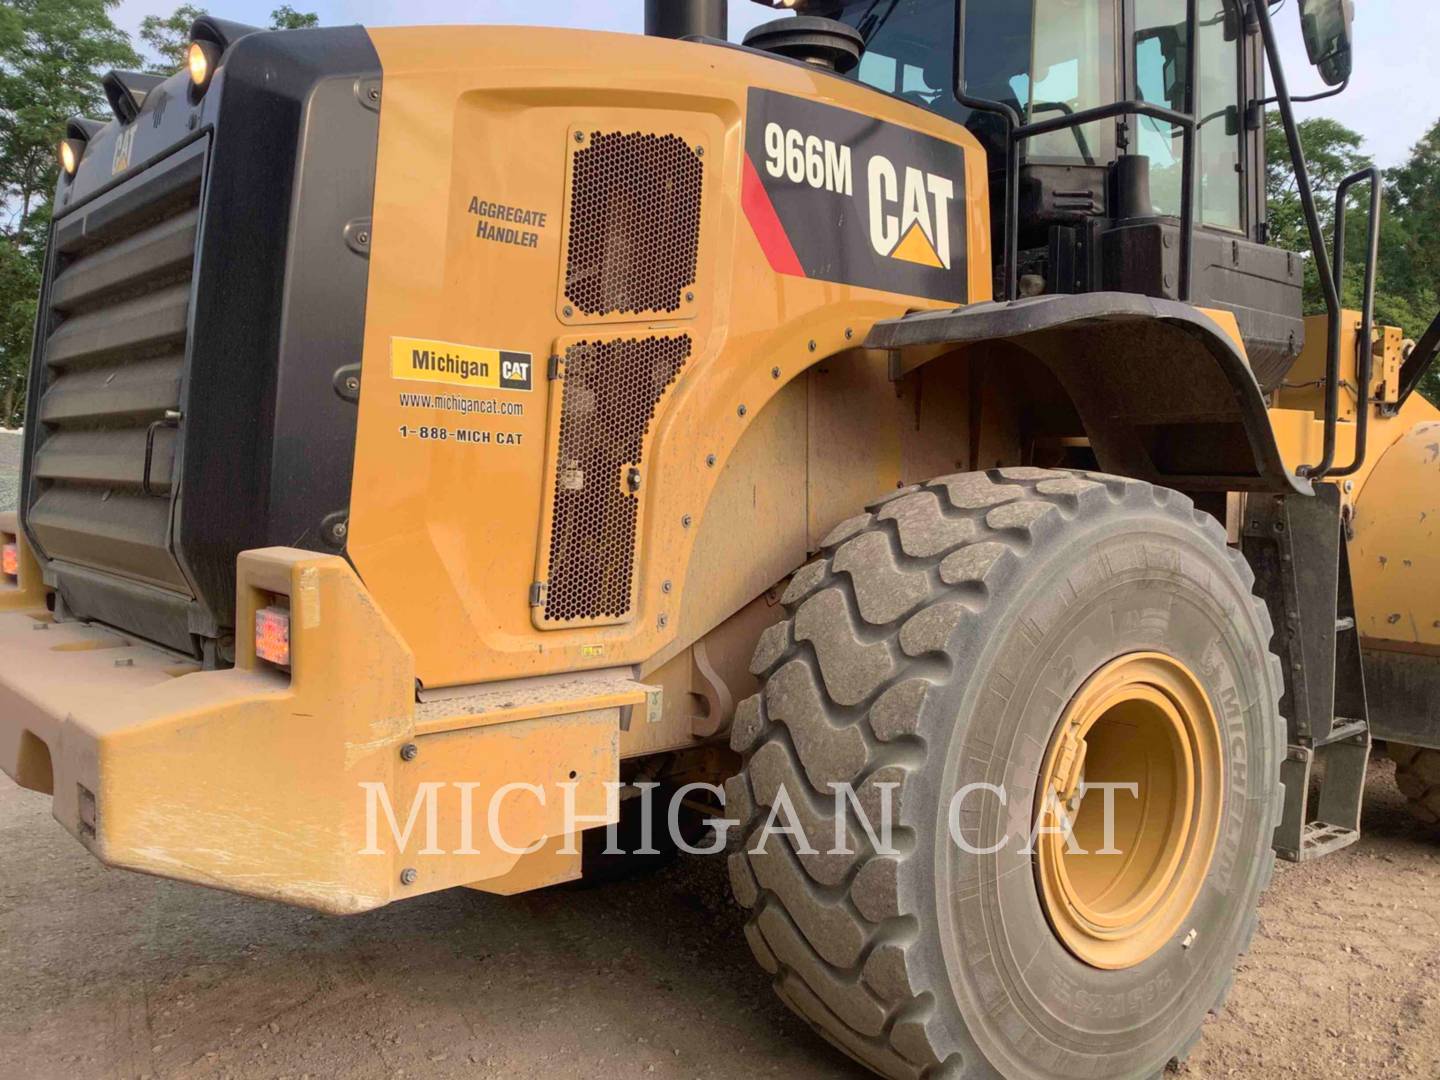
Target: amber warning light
[[10, 560], [272, 635]]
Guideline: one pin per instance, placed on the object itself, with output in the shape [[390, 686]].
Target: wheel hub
[[1126, 876]]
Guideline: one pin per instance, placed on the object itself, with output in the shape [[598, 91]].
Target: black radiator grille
[[634, 223], [111, 368], [611, 392]]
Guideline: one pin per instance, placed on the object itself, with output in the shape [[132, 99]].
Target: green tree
[[168, 37], [1415, 193], [1332, 152], [1407, 286], [52, 54], [286, 17]]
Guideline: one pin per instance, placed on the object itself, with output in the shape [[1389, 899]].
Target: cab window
[[1044, 58], [909, 51], [1072, 68], [1160, 57]]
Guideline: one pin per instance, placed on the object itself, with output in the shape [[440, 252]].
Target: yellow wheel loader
[[440, 439]]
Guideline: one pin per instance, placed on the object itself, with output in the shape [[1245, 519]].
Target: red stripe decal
[[767, 225]]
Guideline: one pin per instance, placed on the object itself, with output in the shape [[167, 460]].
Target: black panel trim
[[1148, 411], [268, 448]]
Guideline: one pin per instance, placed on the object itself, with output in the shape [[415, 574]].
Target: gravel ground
[[110, 974], [9, 468]]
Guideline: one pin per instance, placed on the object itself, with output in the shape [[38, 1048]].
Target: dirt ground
[[109, 974]]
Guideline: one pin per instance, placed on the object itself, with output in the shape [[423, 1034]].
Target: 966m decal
[[843, 197]]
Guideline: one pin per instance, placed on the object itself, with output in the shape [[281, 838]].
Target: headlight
[[201, 58], [71, 150]]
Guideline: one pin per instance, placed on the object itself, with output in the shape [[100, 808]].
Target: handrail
[[1365, 364]]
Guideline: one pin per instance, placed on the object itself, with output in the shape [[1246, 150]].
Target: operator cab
[[1100, 204]]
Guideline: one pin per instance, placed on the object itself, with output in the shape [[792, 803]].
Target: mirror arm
[[1334, 91]]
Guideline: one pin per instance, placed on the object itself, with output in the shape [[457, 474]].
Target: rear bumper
[[259, 781]]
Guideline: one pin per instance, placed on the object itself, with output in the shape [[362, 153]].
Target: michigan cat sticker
[[843, 197], [419, 360]]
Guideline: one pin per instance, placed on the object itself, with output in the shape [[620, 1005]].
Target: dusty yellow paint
[[1300, 435], [1230, 325], [556, 863], [250, 779], [1392, 500], [450, 541], [1395, 556], [1142, 716], [1304, 386]]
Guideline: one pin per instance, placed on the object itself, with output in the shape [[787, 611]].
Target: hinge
[[553, 371], [537, 594]]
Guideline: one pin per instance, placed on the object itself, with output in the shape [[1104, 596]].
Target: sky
[[1388, 100]]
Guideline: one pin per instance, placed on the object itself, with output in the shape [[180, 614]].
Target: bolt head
[[341, 529], [709, 461], [662, 622], [666, 586], [741, 411], [813, 346], [774, 372], [849, 333], [686, 521], [408, 876], [579, 136], [409, 752], [689, 297], [352, 383], [569, 311]]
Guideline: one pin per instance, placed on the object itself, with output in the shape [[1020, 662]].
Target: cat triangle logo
[[917, 248], [910, 213]]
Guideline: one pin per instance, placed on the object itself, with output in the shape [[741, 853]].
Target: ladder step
[[1322, 839], [1347, 623], [1343, 728]]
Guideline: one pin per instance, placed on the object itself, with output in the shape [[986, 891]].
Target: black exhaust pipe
[[686, 18]]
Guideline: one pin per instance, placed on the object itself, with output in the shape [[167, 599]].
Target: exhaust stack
[[686, 18]]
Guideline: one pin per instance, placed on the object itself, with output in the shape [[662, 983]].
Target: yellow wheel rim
[[1142, 720]]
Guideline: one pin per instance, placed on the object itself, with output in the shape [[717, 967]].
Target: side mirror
[[1326, 25]]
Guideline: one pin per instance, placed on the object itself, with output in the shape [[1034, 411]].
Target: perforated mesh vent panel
[[634, 223], [611, 390]]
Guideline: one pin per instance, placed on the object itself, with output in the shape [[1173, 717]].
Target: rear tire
[[1417, 775], [932, 645]]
